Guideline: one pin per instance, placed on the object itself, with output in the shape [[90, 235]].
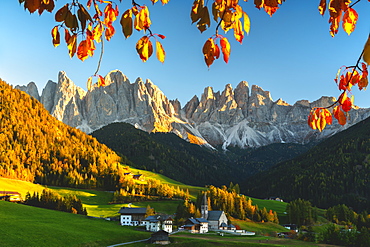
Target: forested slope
[[170, 155], [335, 171], [36, 147]]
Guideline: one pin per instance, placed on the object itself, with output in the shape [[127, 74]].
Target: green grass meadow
[[30, 226]]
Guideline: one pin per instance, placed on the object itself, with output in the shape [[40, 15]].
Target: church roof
[[125, 210], [223, 224], [202, 220], [214, 215]]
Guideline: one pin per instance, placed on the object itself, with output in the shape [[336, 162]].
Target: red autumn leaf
[[347, 105], [101, 81], [56, 36]]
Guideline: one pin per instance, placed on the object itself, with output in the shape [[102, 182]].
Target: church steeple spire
[[204, 207]]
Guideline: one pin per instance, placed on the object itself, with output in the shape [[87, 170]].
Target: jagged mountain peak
[[244, 116]]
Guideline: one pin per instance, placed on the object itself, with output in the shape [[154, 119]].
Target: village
[[162, 225]]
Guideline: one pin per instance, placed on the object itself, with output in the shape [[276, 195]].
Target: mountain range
[[243, 117]]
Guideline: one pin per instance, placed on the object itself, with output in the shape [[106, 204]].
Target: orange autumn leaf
[[161, 54], [109, 32], [322, 7], [72, 45], [97, 32], [67, 35], [56, 36], [210, 51], [144, 48], [225, 47], [339, 115], [110, 14], [321, 123], [83, 50], [238, 31], [350, 18]]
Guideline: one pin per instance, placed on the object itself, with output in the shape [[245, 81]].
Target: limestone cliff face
[[241, 117]]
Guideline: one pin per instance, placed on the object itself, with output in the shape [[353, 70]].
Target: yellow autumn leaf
[[247, 23], [366, 55], [89, 83], [161, 54]]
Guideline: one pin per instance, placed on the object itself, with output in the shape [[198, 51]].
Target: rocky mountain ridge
[[243, 117]]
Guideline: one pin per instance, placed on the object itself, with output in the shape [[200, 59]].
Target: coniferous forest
[[36, 147], [336, 171]]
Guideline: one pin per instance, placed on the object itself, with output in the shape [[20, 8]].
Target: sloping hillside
[[168, 154], [36, 147], [30, 226], [335, 171]]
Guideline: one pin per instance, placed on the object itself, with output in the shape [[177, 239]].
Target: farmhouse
[[197, 225], [160, 237], [132, 216], [155, 223], [11, 196]]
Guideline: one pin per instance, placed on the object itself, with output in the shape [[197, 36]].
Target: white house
[[155, 223], [132, 216], [196, 225]]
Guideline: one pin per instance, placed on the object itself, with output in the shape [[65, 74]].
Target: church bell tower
[[204, 207]]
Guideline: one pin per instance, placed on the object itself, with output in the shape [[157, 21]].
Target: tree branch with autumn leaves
[[77, 23]]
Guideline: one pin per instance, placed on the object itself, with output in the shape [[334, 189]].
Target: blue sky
[[291, 54]]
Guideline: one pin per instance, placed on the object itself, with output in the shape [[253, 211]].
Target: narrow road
[[129, 242], [137, 241]]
